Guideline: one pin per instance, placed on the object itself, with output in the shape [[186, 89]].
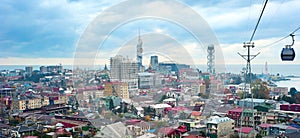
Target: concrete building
[[172, 67], [198, 88], [119, 89], [22, 105], [124, 70], [148, 80], [55, 69], [247, 103], [34, 103], [43, 69], [62, 99], [188, 74], [235, 114], [219, 126], [154, 62], [45, 101], [28, 70]]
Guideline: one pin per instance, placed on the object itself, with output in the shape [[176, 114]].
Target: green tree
[[288, 99], [293, 92], [260, 90]]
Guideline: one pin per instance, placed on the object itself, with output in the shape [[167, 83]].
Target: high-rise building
[[56, 69], [28, 70], [43, 69], [123, 69], [154, 62], [211, 59], [139, 53]]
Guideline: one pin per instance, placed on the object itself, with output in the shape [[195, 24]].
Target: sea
[[282, 70]]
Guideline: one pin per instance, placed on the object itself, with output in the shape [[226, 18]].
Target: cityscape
[[142, 90]]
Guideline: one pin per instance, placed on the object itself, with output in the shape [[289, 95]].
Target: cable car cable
[[271, 44], [258, 21]]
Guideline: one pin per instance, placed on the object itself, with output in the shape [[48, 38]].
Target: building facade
[[219, 126], [154, 62], [119, 89], [123, 69]]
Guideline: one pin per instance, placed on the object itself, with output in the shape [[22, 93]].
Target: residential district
[[128, 99]]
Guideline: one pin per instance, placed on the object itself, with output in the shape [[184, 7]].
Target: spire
[[139, 33], [140, 40], [105, 68]]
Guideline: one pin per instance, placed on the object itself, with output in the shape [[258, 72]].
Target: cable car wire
[[258, 21], [271, 44]]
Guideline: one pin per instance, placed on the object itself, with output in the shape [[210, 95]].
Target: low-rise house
[[5, 130], [272, 117], [264, 129], [260, 117], [235, 114], [116, 130], [166, 132], [278, 129], [196, 115], [219, 126], [138, 127], [246, 132], [159, 108], [247, 119], [192, 125], [23, 130], [148, 135], [247, 103]]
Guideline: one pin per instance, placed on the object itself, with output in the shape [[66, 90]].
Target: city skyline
[[48, 37]]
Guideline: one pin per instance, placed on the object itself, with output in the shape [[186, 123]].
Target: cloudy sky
[[48, 32]]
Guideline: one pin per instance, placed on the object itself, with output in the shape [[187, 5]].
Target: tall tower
[[139, 52], [211, 59], [154, 62], [266, 68]]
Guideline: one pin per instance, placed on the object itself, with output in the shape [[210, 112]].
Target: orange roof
[[196, 113]]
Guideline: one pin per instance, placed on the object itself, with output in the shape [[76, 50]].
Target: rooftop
[[245, 130], [254, 100], [218, 120]]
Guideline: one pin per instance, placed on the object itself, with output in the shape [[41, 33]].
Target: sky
[[49, 31]]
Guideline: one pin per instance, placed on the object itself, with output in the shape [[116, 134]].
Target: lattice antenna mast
[[211, 59], [248, 74]]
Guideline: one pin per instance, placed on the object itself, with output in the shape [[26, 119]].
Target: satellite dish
[[288, 53]]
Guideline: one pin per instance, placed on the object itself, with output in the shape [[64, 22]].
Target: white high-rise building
[[122, 69]]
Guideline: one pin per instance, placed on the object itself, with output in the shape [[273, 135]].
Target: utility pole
[[248, 74]]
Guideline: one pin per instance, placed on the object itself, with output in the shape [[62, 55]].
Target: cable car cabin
[[287, 54]]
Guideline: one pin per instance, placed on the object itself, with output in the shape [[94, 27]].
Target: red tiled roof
[[245, 130], [265, 125], [237, 110], [290, 127], [68, 125], [196, 113], [182, 129], [179, 108], [132, 121], [167, 130]]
